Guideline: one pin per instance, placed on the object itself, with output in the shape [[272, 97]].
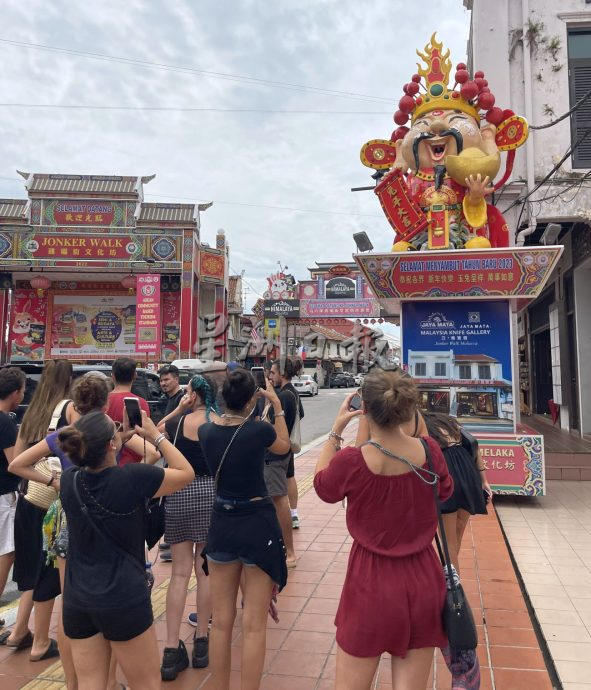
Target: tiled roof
[[92, 184], [474, 358], [328, 333], [179, 213], [13, 208]]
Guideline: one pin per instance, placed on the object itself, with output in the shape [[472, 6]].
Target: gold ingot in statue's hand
[[472, 161]]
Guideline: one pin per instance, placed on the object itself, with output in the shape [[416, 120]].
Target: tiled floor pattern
[[301, 648], [551, 542]]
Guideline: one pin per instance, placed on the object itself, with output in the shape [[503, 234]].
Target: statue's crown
[[467, 95]]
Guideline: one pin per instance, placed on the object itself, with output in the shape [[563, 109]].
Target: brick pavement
[[301, 648]]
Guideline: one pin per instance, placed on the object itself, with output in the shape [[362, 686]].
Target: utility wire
[[576, 106], [194, 70], [275, 208], [67, 106], [569, 151]]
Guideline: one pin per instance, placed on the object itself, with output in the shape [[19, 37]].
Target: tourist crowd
[[89, 484]]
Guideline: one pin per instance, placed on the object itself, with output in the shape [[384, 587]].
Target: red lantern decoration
[[495, 116], [486, 101], [40, 283], [129, 283], [406, 104], [462, 76], [469, 90], [412, 89], [400, 118]]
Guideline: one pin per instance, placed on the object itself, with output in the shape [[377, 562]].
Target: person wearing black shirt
[[278, 468], [244, 539], [106, 600], [169, 383], [12, 392]]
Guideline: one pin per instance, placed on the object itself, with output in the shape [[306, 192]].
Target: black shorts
[[116, 625], [291, 467]]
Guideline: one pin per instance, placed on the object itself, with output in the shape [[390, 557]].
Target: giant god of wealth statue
[[441, 168]]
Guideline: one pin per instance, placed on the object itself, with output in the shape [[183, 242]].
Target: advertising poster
[[93, 326], [459, 353], [147, 324], [26, 340], [171, 318]]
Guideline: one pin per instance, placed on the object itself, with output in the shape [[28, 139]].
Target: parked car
[[146, 385], [342, 380], [305, 385], [358, 379]]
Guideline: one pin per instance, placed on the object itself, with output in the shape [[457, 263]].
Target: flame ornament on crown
[[468, 95]]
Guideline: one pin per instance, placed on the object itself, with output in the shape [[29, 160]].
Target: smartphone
[[259, 377], [355, 403], [134, 411]]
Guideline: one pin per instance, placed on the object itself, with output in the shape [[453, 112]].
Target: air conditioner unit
[[291, 341]]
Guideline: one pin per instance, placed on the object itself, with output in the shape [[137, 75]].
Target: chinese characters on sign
[[147, 322], [514, 465]]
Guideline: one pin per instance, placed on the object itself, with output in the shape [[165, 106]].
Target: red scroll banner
[[147, 316], [402, 213]]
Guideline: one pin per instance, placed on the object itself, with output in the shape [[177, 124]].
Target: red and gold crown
[[468, 95]]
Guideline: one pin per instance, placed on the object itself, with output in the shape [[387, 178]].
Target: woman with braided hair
[[187, 521]]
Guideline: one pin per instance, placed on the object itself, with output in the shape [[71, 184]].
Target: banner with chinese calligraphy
[[82, 212], [93, 249], [28, 317], [459, 353], [171, 319], [514, 464], [326, 308], [147, 315], [518, 272], [92, 326]]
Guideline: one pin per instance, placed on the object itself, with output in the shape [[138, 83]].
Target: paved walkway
[[301, 648], [551, 542]]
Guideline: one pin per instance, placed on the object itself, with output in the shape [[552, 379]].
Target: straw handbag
[[39, 494]]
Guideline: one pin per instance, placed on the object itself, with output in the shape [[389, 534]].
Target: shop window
[[440, 369], [421, 369], [484, 371], [465, 371], [579, 69]]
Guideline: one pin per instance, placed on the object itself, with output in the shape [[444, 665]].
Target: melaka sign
[[340, 288]]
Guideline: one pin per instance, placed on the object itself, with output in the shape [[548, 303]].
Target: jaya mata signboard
[[459, 353]]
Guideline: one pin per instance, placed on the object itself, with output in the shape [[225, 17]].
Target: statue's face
[[438, 134]]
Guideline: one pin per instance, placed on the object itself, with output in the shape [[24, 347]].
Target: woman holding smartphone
[[244, 538], [106, 600]]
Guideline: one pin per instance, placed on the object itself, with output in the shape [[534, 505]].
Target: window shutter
[[580, 84]]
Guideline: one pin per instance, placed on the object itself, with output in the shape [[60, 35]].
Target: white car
[[305, 385]]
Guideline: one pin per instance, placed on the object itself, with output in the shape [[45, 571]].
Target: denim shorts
[[224, 557]]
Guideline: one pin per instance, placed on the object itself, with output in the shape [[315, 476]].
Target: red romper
[[394, 589]]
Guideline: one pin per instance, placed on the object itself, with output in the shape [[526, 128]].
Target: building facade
[[537, 57], [90, 272]]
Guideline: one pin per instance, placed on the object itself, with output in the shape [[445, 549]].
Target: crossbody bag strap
[[57, 413], [445, 561], [217, 474], [92, 522]]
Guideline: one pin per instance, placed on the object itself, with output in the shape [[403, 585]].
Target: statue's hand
[[478, 188]]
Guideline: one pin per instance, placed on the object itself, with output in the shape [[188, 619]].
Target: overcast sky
[[247, 163]]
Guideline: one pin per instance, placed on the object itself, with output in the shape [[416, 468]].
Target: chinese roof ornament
[[443, 157]]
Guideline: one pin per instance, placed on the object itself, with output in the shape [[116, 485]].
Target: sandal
[[24, 643], [51, 652]]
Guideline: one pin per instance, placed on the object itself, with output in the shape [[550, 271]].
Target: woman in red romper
[[394, 589]]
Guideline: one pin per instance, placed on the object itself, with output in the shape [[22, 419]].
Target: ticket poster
[[93, 326]]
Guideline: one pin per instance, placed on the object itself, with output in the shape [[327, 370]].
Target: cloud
[[298, 161]]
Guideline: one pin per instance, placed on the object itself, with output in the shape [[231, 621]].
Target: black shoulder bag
[[106, 537], [470, 444], [458, 620], [155, 518]]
